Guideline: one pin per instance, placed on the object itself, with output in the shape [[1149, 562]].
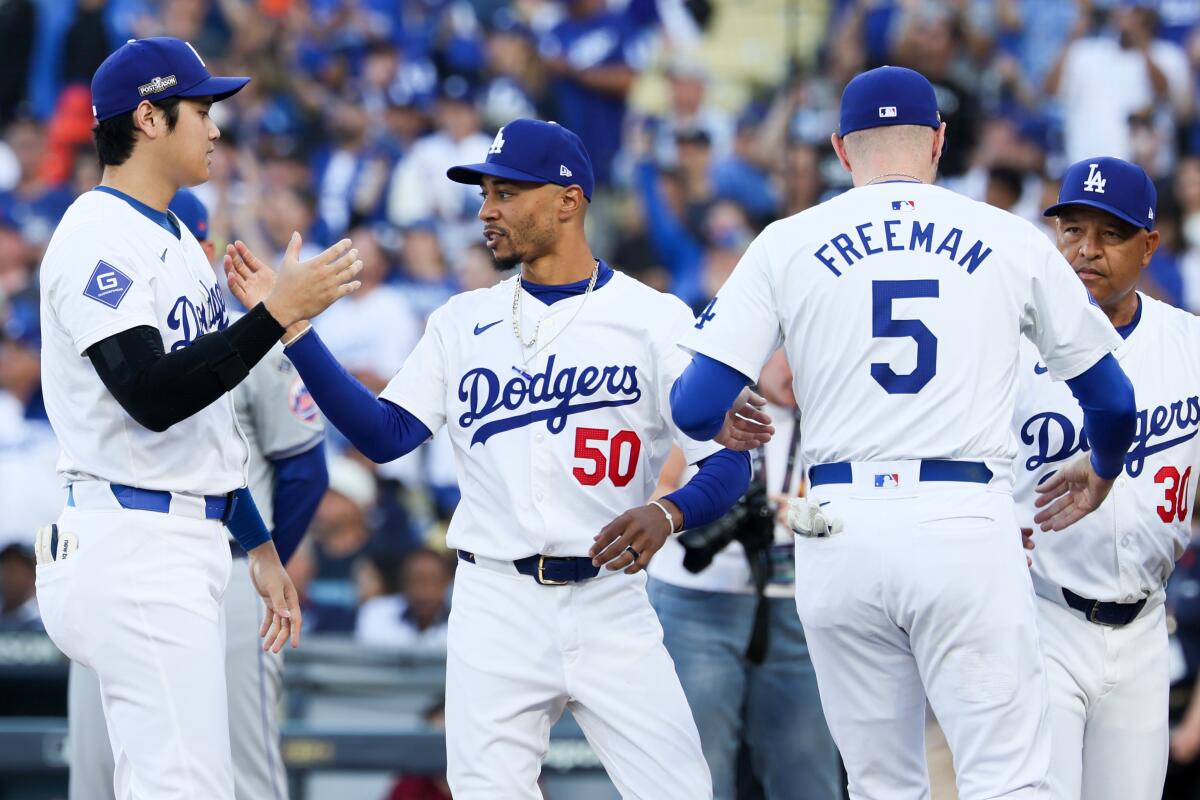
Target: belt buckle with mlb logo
[[887, 480]]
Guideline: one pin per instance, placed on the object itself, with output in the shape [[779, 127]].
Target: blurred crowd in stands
[[705, 120]]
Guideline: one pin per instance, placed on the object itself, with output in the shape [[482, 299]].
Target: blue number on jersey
[[884, 326]]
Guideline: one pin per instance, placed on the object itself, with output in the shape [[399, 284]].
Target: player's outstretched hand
[[632, 539], [746, 426], [282, 620], [300, 289], [1070, 494]]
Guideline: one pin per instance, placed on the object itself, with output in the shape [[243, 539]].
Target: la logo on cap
[[1095, 181], [498, 142]]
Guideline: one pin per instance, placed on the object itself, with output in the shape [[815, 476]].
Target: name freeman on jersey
[[481, 390], [194, 321], [1049, 430], [900, 235]]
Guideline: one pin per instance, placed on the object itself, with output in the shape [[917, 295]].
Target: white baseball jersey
[[554, 440], [1126, 549], [901, 307], [108, 268]]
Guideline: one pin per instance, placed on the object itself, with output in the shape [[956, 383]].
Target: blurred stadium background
[[706, 119]]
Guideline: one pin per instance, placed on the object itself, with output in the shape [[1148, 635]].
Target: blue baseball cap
[[534, 151], [1109, 184], [888, 96], [154, 69], [191, 212]]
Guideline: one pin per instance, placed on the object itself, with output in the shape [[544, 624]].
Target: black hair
[[116, 136]]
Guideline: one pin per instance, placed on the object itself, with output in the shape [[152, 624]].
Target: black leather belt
[[550, 570], [1113, 615]]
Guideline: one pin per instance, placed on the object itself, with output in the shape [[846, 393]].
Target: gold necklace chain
[[912, 178], [516, 308]]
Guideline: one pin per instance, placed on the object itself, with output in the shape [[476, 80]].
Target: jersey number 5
[[625, 446], [1176, 493], [885, 326]]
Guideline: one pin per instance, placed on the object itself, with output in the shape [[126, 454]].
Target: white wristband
[[297, 337], [667, 514]]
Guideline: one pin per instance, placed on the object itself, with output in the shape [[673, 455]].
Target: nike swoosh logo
[[163, 257], [481, 328], [1040, 370]]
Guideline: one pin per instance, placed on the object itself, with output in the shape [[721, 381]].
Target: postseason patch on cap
[[159, 84], [107, 285]]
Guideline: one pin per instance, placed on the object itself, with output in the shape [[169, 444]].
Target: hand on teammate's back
[[282, 620], [298, 290], [746, 427], [1070, 494]]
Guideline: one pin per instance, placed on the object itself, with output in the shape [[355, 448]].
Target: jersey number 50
[[624, 446], [885, 326]]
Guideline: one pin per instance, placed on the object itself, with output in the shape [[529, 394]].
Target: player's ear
[[939, 144], [839, 147], [1152, 241], [571, 202], [144, 121]]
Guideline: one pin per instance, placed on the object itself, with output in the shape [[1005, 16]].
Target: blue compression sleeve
[[702, 395], [1109, 413], [382, 431], [246, 524], [722, 479], [300, 483]]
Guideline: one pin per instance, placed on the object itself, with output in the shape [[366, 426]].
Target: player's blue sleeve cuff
[[300, 483], [380, 429], [702, 395], [246, 524], [721, 480], [1109, 413]]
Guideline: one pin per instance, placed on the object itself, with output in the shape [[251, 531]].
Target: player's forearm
[[703, 394], [159, 389], [382, 431], [1109, 413], [300, 483], [722, 478], [246, 524]]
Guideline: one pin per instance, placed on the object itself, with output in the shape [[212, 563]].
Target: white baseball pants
[[925, 593], [519, 653]]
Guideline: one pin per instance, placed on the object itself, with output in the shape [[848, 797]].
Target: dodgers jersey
[[108, 268], [1124, 550], [551, 441], [901, 307]]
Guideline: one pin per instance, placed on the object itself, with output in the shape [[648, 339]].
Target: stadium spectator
[[19, 611], [34, 204], [418, 615]]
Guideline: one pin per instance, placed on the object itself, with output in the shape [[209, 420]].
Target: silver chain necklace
[[912, 178], [516, 309]]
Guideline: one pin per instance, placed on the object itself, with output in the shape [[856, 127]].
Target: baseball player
[[553, 386], [287, 477], [901, 306], [1100, 588], [138, 358]]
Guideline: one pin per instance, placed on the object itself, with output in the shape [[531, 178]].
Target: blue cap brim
[[1057, 208], [473, 173], [217, 88]]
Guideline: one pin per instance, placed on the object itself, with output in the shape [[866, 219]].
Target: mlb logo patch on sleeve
[[107, 285]]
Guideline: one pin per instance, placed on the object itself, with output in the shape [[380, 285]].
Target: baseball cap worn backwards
[[154, 69], [533, 151], [1109, 184], [888, 96]]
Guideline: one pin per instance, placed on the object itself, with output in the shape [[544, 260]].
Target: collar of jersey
[[1125, 330], [163, 219], [551, 293]]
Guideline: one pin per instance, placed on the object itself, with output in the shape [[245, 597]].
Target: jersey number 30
[[618, 464], [1176, 493], [885, 326]]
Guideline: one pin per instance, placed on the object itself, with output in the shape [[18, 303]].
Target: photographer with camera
[[724, 594]]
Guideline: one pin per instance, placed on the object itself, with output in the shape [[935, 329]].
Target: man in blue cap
[[138, 360], [553, 388], [287, 477], [1100, 590], [901, 306]]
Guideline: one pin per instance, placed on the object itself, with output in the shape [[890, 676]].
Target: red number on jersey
[[625, 447], [1176, 493]]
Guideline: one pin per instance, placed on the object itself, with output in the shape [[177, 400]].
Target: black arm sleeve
[[160, 389]]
